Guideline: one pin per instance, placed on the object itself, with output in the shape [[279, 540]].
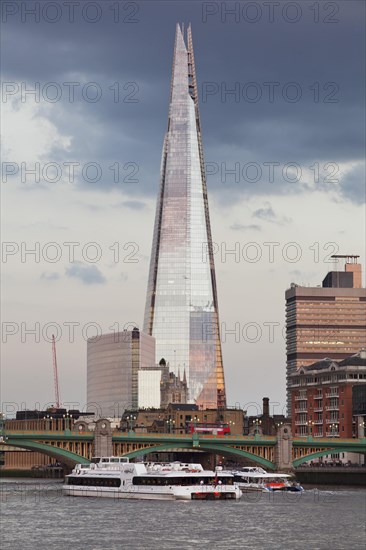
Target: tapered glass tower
[[181, 307]]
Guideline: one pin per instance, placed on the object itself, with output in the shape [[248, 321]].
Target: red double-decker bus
[[209, 429]]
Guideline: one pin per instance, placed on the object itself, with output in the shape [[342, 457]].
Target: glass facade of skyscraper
[[181, 308]]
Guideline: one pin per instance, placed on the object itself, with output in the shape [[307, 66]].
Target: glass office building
[[181, 308], [113, 364]]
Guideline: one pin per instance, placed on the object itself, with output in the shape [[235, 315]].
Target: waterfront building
[[323, 394], [325, 321], [113, 362], [181, 310], [359, 408], [182, 418]]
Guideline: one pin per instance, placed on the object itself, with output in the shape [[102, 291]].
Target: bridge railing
[[44, 433], [327, 440], [201, 437]]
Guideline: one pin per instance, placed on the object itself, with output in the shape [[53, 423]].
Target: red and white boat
[[256, 479]]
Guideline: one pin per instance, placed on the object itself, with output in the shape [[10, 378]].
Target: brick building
[[264, 424], [321, 396], [326, 320], [177, 417]]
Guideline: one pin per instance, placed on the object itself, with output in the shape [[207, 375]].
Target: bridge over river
[[78, 445]]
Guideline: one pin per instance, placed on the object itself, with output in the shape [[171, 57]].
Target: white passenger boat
[[117, 478], [256, 479]]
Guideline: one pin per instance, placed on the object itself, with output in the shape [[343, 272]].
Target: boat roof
[[111, 466], [257, 475], [179, 473]]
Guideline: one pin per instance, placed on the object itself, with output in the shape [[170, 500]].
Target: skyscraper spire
[[181, 307]]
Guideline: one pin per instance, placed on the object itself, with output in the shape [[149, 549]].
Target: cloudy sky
[[282, 110]]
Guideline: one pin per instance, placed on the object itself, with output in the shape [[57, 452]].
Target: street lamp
[[67, 421], [279, 425], [361, 429], [195, 422], [310, 428], [333, 430], [130, 420], [170, 424], [257, 423], [3, 437], [48, 421]]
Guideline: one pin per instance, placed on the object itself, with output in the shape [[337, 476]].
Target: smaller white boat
[[254, 478]]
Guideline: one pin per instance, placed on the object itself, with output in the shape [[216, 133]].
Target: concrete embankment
[[332, 476], [41, 472]]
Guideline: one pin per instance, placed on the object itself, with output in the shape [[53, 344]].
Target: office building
[[113, 362], [325, 321], [149, 381]]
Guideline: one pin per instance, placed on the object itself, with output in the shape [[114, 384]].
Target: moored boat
[[256, 479], [117, 478]]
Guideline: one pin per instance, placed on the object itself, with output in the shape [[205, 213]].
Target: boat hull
[[174, 493]]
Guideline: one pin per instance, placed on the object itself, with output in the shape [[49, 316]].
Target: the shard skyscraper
[[181, 307]]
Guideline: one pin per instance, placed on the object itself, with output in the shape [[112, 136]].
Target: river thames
[[35, 515]]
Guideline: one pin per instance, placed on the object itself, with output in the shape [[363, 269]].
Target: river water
[[36, 516]]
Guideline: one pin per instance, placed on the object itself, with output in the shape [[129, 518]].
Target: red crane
[[55, 373]]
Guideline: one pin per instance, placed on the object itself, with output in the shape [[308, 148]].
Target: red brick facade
[[321, 396]]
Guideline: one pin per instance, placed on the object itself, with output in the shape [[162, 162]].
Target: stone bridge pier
[[283, 451], [103, 438]]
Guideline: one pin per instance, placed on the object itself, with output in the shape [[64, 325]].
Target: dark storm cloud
[[354, 185], [88, 275], [323, 124]]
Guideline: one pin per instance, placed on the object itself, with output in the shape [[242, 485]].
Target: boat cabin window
[[151, 480], [108, 460], [94, 482], [240, 479]]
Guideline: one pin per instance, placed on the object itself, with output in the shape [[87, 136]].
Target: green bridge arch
[[222, 449], [318, 454], [64, 456]]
